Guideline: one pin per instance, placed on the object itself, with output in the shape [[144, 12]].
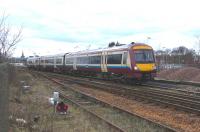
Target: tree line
[[8, 39], [178, 56]]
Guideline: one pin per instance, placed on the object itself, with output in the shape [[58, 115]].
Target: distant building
[[22, 55], [21, 59]]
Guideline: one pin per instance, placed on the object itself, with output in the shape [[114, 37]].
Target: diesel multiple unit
[[133, 61]]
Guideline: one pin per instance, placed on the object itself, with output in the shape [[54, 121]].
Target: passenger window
[[58, 61], [51, 61], [95, 59], [114, 59], [83, 60], [69, 61]]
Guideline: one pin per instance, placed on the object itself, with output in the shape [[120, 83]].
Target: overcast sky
[[55, 26]]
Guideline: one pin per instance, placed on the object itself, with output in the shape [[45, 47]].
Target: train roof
[[33, 57], [46, 56], [121, 47], [100, 49], [56, 55]]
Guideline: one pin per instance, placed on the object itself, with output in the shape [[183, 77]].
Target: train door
[[104, 62], [35, 63], [54, 62], [74, 63], [44, 64], [39, 63], [63, 62]]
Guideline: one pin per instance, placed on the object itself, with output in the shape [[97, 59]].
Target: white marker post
[[55, 99]]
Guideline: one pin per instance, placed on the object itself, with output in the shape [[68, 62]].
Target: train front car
[[142, 62]]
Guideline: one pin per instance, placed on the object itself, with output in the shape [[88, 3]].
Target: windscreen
[[143, 56]]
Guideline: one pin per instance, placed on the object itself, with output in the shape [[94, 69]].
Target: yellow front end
[[146, 67], [143, 62]]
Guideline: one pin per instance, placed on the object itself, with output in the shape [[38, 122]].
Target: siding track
[[65, 82]]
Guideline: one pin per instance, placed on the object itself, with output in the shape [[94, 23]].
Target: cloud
[[65, 23]]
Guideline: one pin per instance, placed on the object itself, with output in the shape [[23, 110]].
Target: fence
[[176, 66]]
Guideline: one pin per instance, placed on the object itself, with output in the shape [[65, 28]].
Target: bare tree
[[8, 40]]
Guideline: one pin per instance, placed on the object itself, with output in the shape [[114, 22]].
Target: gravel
[[176, 119], [184, 74]]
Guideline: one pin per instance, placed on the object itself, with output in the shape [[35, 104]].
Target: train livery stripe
[[114, 67], [89, 66]]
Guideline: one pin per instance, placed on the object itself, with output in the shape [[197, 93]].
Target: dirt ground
[[176, 119], [33, 104], [184, 74], [30, 110]]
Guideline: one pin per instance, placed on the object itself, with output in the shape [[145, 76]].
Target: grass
[[35, 103], [7, 75], [126, 121]]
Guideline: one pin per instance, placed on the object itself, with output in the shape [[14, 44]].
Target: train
[[135, 61]]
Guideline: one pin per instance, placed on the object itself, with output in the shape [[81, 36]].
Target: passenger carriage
[[52, 63], [133, 61]]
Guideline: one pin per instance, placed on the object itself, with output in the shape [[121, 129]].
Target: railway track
[[93, 99], [168, 97], [179, 87], [177, 82], [80, 103], [83, 105]]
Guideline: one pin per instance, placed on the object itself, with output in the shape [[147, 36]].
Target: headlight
[[154, 68], [136, 68]]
